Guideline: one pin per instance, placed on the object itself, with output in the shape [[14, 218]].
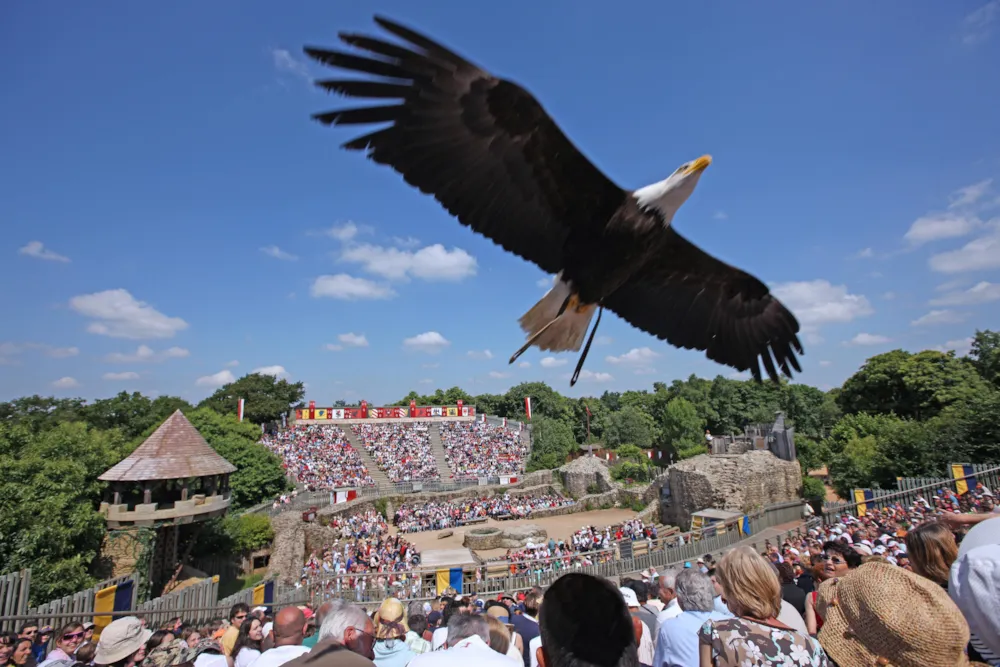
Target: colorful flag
[[239, 408], [527, 407]]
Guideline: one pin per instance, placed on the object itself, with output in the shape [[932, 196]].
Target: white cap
[[630, 597]]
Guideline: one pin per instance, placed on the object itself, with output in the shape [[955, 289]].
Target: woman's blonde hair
[[749, 584], [499, 634], [932, 549], [390, 620]]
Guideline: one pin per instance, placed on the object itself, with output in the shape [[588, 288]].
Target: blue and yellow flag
[[745, 525], [964, 476], [263, 595], [861, 498], [112, 598], [451, 578]]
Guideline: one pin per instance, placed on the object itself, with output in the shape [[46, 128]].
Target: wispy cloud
[[277, 253], [961, 347], [938, 317], [981, 292], [552, 362], [431, 263], [970, 194], [430, 342], [65, 383], [127, 375], [285, 63], [38, 250], [348, 340], [118, 314], [978, 26], [216, 380], [636, 356], [479, 354], [818, 302], [146, 354], [720, 215], [869, 339], [499, 375], [865, 253], [348, 288], [977, 255]]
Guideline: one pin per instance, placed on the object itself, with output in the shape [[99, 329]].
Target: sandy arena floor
[[558, 527]]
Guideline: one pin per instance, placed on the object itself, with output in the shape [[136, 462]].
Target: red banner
[[312, 413]]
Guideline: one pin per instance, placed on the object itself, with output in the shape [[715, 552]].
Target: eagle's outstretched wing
[[695, 301], [482, 146]]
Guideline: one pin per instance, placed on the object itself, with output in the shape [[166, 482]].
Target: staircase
[[373, 469], [437, 446]]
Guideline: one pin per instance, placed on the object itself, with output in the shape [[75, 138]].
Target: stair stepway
[[373, 469], [437, 446]]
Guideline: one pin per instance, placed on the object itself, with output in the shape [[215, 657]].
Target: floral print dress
[[739, 642]]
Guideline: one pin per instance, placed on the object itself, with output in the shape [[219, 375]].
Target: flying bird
[[489, 153]]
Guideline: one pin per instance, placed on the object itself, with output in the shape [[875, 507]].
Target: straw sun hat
[[120, 639], [881, 614], [390, 620]]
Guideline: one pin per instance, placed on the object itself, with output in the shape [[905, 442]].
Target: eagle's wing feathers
[[482, 146], [695, 301]]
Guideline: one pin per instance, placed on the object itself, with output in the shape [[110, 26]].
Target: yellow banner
[[443, 581], [957, 473], [104, 601], [859, 498]]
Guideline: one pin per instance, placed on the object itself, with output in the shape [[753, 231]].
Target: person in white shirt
[[668, 596], [468, 644], [289, 630]]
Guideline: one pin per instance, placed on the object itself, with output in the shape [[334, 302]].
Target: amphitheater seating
[[482, 450], [401, 451], [319, 456]]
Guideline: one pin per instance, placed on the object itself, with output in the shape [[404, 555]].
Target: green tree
[[855, 466], [812, 488], [49, 497], [267, 397], [986, 355], [630, 425], [133, 414], [248, 532], [683, 428], [259, 475], [552, 442], [38, 412]]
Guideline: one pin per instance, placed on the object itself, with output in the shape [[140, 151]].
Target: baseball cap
[[631, 600], [120, 639]]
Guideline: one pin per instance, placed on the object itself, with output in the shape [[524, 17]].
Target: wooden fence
[[14, 597], [51, 613]]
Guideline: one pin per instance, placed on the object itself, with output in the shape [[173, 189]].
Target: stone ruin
[[492, 537], [581, 476], [738, 483]]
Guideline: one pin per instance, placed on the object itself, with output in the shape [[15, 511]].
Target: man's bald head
[[289, 627]]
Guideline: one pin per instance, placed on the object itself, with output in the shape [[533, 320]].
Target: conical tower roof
[[175, 450]]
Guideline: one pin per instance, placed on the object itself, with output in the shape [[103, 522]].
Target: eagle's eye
[[681, 168]]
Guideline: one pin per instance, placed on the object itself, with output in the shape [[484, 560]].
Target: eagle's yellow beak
[[700, 164]]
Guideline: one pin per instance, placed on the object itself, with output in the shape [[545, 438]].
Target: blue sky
[[170, 211]]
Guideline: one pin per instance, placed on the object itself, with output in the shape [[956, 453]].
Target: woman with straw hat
[[122, 643], [390, 635]]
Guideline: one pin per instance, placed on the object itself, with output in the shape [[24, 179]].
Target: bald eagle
[[489, 153]]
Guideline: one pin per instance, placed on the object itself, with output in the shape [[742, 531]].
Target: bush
[[812, 488], [382, 506], [249, 532]]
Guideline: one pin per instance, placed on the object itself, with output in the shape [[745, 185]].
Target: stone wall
[[498, 537], [740, 483]]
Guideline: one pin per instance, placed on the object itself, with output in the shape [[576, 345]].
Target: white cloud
[[938, 226], [433, 262], [352, 339], [407, 242], [498, 375], [978, 26], [817, 302], [346, 231], [276, 371], [11, 349], [277, 253], [524, 364], [216, 380], [145, 353], [970, 194], [977, 255], [938, 317], [981, 292], [591, 376], [285, 62], [65, 383], [232, 364], [430, 342], [38, 250], [720, 215], [869, 339], [961, 347], [547, 282], [603, 340], [479, 354], [119, 315], [552, 362], [825, 364], [865, 253], [348, 288], [637, 355], [127, 375], [889, 296]]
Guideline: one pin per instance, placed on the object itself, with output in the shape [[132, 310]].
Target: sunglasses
[[836, 560], [73, 635], [240, 617]]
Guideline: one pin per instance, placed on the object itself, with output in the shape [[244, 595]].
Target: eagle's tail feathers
[[558, 322], [547, 309]]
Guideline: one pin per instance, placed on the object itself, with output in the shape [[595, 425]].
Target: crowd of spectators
[[434, 515], [591, 538], [402, 451], [319, 456], [482, 450]]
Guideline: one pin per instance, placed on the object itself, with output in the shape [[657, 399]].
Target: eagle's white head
[[668, 195]]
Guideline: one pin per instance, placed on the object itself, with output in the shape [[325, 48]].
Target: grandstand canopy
[[174, 451]]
